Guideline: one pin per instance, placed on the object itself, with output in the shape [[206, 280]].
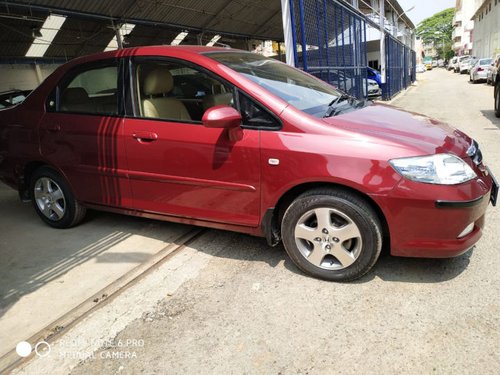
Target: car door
[[176, 165], [81, 134]]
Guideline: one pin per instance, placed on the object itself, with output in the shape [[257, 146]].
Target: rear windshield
[[485, 62]]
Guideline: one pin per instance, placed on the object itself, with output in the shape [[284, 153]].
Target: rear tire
[[332, 234], [53, 200]]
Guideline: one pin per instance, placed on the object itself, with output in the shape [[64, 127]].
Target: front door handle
[[145, 136]]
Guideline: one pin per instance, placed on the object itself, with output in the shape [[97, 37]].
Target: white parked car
[[452, 63], [479, 72], [464, 65], [459, 60]]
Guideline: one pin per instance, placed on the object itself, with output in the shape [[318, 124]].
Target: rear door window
[[91, 91]]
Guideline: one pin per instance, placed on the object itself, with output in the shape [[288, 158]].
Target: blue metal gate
[[330, 43], [400, 67]]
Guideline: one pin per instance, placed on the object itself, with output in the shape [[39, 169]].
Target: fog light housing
[[468, 229]]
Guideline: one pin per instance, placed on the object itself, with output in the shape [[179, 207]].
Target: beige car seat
[[217, 99], [159, 81]]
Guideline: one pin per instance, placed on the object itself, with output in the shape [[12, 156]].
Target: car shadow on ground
[[490, 115], [410, 270], [388, 268]]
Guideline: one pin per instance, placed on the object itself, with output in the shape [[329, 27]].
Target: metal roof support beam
[[119, 40]]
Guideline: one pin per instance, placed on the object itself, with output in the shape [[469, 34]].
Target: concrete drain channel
[[57, 328]]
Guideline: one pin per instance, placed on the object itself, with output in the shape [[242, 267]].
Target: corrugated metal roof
[[244, 17], [79, 37], [88, 27]]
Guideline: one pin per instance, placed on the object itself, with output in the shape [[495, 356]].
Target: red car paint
[[195, 174]]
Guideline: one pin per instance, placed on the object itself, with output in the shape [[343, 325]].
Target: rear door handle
[[145, 136]]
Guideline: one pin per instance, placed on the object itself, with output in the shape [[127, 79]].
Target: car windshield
[[304, 92]]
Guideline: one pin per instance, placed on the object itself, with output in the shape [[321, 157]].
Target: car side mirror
[[221, 116]]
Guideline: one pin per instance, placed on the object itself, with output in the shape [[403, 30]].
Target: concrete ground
[[45, 272], [230, 304]]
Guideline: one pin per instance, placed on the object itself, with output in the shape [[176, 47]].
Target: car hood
[[416, 133]]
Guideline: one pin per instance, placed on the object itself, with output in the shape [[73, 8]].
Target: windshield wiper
[[334, 104]]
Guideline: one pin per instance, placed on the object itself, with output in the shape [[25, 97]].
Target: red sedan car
[[230, 139]]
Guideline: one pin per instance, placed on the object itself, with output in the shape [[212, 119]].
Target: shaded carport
[[90, 25]]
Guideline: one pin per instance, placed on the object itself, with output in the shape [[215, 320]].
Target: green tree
[[437, 30]]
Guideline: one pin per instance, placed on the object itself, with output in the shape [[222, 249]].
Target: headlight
[[442, 169]]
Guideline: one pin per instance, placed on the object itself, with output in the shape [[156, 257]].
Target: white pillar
[[38, 73], [382, 40], [287, 32]]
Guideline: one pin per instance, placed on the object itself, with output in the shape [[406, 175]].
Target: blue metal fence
[[330, 42], [400, 67]]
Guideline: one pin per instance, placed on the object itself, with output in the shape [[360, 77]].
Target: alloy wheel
[[50, 199], [328, 238]]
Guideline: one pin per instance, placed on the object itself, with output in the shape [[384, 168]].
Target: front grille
[[475, 153]]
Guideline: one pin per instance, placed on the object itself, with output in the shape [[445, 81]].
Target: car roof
[[151, 50]]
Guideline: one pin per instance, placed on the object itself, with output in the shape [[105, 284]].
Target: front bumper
[[373, 93], [428, 221]]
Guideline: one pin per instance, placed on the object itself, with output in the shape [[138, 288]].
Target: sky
[[425, 8]]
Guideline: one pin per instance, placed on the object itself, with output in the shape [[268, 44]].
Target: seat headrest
[[219, 99], [75, 95], [158, 81]]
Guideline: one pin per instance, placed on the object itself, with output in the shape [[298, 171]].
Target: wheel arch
[[273, 217], [25, 178], [26, 173]]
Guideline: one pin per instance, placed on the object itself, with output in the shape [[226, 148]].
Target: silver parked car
[[479, 72]]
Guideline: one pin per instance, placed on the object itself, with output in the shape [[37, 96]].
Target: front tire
[[332, 234], [53, 200]]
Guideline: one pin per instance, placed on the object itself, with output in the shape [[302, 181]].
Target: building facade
[[487, 29], [464, 25]]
